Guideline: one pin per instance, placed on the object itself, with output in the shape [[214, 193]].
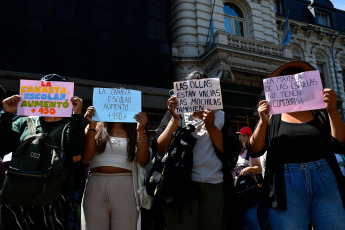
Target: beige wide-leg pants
[[109, 203]]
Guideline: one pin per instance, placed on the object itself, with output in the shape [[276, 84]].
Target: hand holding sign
[[77, 103], [208, 117], [10, 104], [330, 98], [172, 104], [264, 110], [90, 112], [142, 120]]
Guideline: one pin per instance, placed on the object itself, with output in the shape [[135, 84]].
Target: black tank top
[[302, 142]]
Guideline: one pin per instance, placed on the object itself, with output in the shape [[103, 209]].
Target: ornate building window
[[278, 6], [323, 18], [234, 20], [322, 67]]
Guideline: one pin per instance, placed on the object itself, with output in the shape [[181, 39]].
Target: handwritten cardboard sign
[[45, 98], [116, 105], [197, 95], [292, 93]]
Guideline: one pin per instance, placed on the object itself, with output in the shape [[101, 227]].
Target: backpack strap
[[31, 126], [53, 133], [182, 122], [63, 134], [246, 162], [321, 116]]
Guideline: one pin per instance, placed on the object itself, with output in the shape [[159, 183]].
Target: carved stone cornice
[[254, 46], [307, 32], [321, 35]]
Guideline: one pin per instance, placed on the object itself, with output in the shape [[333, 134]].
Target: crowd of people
[[292, 157]]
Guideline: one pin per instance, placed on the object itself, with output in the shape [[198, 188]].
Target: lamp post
[[336, 76]]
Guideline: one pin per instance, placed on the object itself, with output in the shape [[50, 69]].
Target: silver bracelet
[[142, 141]]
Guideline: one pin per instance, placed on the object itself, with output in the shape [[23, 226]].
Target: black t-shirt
[[302, 142]]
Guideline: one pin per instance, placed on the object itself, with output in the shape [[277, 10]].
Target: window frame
[[233, 19], [325, 17], [322, 69], [278, 6]]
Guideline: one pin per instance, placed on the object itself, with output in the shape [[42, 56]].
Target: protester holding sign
[[111, 193], [13, 134], [302, 182], [216, 146]]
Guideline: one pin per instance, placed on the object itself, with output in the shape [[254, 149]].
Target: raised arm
[[257, 141], [143, 152], [163, 141], [215, 134], [90, 133], [336, 122], [9, 132], [74, 142]]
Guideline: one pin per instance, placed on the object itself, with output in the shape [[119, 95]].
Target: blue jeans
[[312, 195], [250, 218]]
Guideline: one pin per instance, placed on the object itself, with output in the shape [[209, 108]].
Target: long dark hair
[[102, 137]]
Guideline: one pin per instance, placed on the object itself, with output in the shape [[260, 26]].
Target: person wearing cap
[[52, 216], [209, 207], [248, 216], [302, 182]]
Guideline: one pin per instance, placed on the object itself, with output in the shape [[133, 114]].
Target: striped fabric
[[52, 217]]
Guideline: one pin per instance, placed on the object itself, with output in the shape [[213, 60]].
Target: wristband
[[142, 141], [91, 129]]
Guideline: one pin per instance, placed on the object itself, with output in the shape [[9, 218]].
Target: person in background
[[12, 133], [249, 216], [110, 198], [215, 141], [341, 162], [302, 182]]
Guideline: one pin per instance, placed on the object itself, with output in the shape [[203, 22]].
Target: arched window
[[234, 21], [321, 65]]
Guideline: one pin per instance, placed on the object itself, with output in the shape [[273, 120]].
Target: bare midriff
[[109, 169]]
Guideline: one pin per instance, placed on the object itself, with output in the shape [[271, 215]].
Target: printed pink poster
[[45, 98], [292, 93]]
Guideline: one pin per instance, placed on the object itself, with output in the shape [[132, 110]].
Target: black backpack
[[169, 180], [36, 171], [248, 191]]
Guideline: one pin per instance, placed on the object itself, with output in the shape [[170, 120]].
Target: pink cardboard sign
[[292, 93], [45, 98], [197, 95]]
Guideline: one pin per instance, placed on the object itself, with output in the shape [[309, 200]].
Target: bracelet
[[142, 141], [91, 129]]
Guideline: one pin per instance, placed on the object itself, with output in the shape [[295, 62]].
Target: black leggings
[[48, 217]]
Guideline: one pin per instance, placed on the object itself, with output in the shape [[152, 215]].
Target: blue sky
[[339, 4]]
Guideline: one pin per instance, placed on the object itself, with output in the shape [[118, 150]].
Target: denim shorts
[[312, 196]]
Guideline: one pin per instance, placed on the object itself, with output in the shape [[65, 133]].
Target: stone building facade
[[245, 44]]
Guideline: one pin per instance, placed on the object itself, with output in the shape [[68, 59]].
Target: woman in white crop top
[[109, 201]]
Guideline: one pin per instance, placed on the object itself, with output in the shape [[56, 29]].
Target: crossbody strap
[[182, 122], [53, 133], [246, 162], [31, 126]]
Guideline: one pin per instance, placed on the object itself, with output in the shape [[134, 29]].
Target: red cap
[[246, 131]]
